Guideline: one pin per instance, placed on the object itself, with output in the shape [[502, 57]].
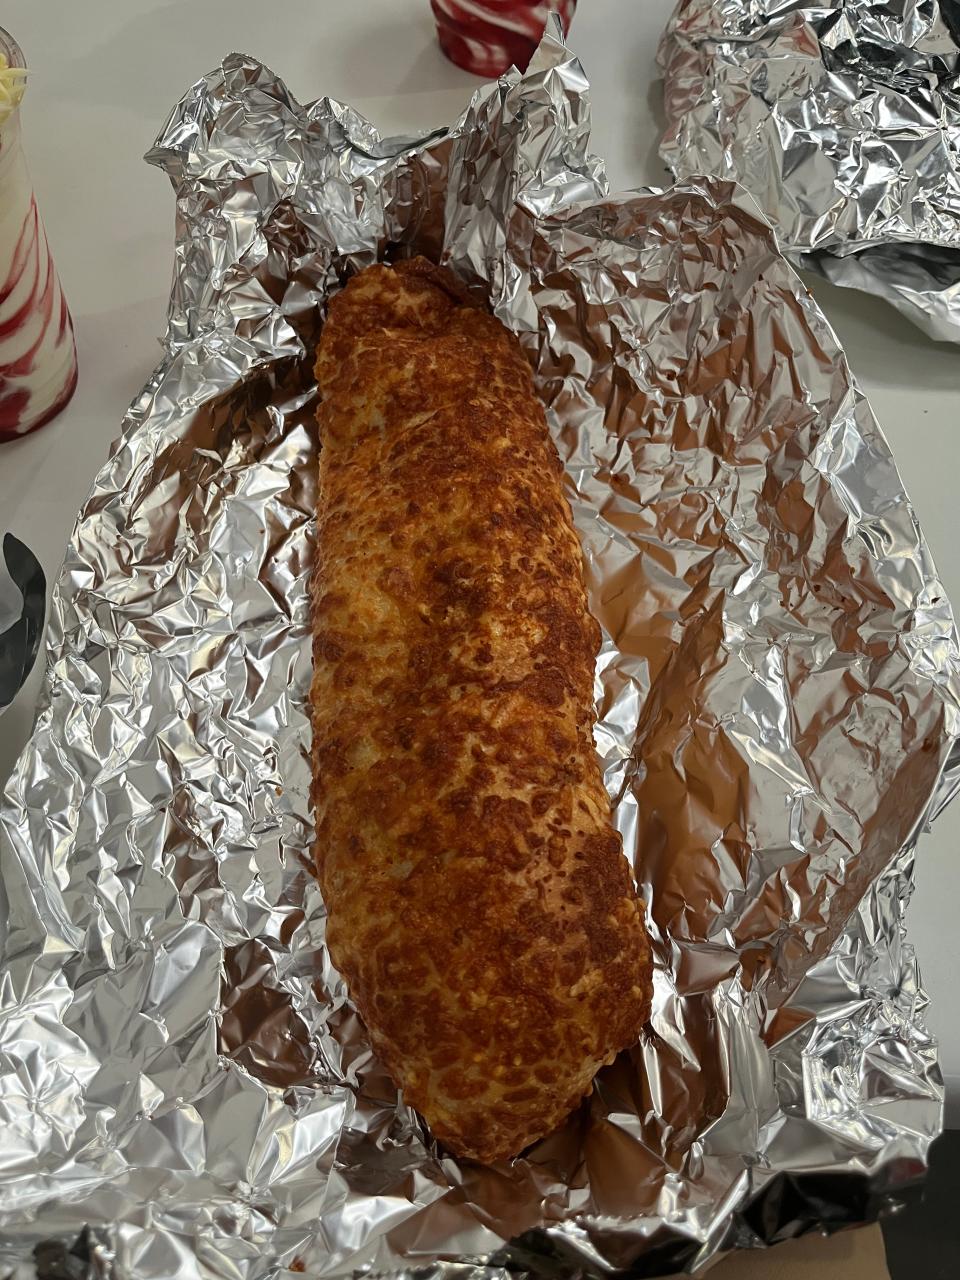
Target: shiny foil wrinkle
[[842, 120], [184, 1087]]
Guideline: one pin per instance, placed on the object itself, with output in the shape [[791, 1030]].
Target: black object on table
[[23, 592], [923, 1240]]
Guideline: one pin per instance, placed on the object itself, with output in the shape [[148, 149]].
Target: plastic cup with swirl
[[489, 36], [38, 358]]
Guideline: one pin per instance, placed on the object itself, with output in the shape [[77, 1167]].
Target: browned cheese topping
[[480, 908]]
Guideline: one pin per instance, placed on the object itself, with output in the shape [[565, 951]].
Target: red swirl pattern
[[488, 36], [38, 361]]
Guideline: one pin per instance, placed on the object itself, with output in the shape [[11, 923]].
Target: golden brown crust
[[479, 904]]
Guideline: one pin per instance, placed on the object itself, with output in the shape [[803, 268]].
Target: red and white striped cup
[[489, 36], [38, 358]]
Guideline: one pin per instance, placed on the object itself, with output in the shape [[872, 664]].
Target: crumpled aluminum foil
[[842, 119], [184, 1087]]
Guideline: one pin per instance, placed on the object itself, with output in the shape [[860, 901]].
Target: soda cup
[[38, 357], [489, 36]]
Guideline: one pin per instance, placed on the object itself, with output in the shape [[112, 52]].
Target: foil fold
[[184, 1086], [842, 119]]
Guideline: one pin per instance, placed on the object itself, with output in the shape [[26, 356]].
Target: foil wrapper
[[184, 1087], [842, 119]]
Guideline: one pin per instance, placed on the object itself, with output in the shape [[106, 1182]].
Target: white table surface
[[105, 76]]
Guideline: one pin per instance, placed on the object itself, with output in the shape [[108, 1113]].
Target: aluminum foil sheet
[[843, 121], [184, 1087]]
